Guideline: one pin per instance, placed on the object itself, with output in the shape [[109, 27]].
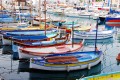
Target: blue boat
[[26, 35]]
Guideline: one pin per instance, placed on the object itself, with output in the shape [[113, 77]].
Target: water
[[15, 70]]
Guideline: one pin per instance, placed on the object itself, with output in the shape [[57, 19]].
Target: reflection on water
[[53, 75], [7, 50]]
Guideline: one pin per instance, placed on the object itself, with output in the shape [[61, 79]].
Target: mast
[[2, 12], [31, 13], [14, 12], [45, 15], [73, 34], [39, 12], [96, 35]]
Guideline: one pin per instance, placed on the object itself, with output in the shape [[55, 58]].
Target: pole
[[96, 35], [39, 12], [45, 15], [31, 20], [2, 13], [14, 16], [73, 34]]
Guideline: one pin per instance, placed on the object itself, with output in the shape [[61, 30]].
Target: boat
[[31, 52], [67, 62], [44, 42], [26, 36], [92, 42], [105, 76], [41, 27], [27, 32], [113, 20], [91, 34], [68, 25], [83, 28], [41, 43]]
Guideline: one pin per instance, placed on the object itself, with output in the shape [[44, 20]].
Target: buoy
[[118, 57]]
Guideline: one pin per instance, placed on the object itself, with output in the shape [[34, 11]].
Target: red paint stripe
[[113, 21], [103, 9], [114, 25]]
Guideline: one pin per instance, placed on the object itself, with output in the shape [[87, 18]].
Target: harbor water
[[11, 69]]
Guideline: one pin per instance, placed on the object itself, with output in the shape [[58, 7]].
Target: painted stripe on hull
[[114, 25], [114, 20]]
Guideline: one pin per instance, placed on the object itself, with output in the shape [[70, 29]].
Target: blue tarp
[[4, 16], [114, 11]]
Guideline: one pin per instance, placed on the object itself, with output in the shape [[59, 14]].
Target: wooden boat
[[44, 42], [7, 38], [41, 43], [107, 76], [41, 27], [70, 24], [67, 62], [26, 32], [30, 52], [37, 18], [83, 28], [91, 34]]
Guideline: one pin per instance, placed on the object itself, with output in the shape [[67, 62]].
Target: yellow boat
[[83, 28], [107, 76], [41, 27]]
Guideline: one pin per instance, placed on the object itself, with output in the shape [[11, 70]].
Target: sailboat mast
[[39, 12], [45, 15], [31, 20], [13, 4], [73, 34], [96, 35]]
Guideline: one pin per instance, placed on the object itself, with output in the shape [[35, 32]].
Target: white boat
[[67, 62], [92, 34], [32, 52]]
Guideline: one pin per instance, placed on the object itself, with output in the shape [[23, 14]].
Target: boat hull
[[67, 67], [114, 22], [32, 52], [25, 36], [92, 35]]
